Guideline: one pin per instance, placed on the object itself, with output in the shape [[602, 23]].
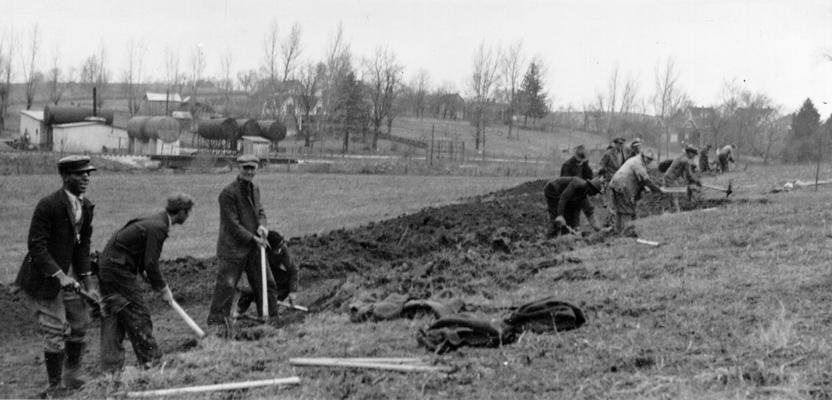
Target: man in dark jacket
[[242, 232], [633, 150], [134, 251], [566, 197], [577, 165], [704, 162], [58, 258], [283, 270], [612, 159]]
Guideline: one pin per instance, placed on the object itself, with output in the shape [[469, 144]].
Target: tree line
[[345, 95]]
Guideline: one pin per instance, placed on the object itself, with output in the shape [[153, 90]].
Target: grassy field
[[296, 204], [734, 304]]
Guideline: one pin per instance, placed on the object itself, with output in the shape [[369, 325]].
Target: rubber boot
[[72, 372], [54, 365]]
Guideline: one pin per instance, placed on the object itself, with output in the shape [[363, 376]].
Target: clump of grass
[[778, 334]]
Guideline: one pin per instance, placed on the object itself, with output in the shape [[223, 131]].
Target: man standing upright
[[626, 186], [577, 165], [242, 232], [56, 267], [134, 251], [612, 159]]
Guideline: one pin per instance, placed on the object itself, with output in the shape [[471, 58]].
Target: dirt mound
[[448, 248]]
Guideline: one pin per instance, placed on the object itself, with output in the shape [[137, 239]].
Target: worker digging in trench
[[566, 197]]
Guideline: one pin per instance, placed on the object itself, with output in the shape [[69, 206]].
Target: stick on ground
[[294, 380]]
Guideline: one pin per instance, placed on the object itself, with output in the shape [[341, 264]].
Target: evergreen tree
[[351, 111], [801, 142], [532, 96]]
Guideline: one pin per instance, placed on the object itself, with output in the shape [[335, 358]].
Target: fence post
[[432, 137]]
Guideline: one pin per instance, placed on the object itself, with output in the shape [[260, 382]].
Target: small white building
[[88, 137], [256, 145], [154, 146], [33, 127]]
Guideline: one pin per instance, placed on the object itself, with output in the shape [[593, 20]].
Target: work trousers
[[133, 320], [572, 216], [228, 275], [62, 319]]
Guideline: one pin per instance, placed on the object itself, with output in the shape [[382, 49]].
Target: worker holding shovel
[[131, 252], [566, 197], [241, 247], [283, 270], [626, 187]]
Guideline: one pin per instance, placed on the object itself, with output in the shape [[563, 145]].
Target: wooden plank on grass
[[313, 362], [294, 380]]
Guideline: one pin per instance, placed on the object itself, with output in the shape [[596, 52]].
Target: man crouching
[[566, 197], [134, 251]]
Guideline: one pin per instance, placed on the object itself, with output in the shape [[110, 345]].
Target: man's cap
[[596, 183], [179, 201], [648, 154], [619, 140], [636, 142], [579, 147], [75, 164], [248, 160], [691, 149]]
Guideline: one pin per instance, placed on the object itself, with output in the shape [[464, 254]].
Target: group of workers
[[622, 177], [55, 274]]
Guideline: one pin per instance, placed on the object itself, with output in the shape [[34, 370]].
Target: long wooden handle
[[263, 283], [213, 388], [187, 318], [311, 362], [296, 307]]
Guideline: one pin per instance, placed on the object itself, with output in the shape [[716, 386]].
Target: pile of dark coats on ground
[[454, 329]]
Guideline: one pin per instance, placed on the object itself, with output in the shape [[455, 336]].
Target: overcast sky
[[773, 46]]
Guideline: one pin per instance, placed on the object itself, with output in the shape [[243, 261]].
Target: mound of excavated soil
[[438, 249]]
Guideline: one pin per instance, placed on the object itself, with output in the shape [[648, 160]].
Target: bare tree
[[31, 76], [132, 74], [57, 87], [383, 75], [247, 80], [669, 101], [483, 79], [338, 64], [94, 74], [420, 84], [173, 75], [290, 51], [311, 77], [227, 80], [5, 79], [197, 68], [512, 65], [271, 54]]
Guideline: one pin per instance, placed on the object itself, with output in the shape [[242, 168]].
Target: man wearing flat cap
[[56, 267], [242, 232], [626, 187], [680, 172], [131, 252], [634, 149]]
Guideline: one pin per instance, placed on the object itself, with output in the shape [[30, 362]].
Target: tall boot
[[72, 373], [54, 364]]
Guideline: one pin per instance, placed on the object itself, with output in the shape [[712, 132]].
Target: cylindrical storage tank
[[218, 129], [53, 115], [248, 127], [135, 127], [272, 130], [163, 128]]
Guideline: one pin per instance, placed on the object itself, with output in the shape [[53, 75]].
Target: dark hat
[[691, 149], [248, 160], [636, 142], [75, 164], [619, 140], [179, 201]]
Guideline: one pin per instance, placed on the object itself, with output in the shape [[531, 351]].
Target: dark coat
[[133, 250], [54, 245], [575, 167], [569, 195], [240, 215], [611, 161]]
